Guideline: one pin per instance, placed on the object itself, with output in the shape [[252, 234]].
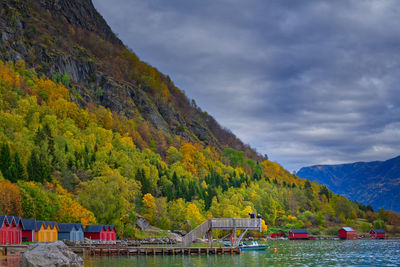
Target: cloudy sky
[[306, 82]]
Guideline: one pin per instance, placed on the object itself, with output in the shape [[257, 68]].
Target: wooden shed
[[70, 231], [28, 230], [18, 222], [41, 231], [298, 234], [53, 229], [15, 228], [377, 234], [96, 232], [346, 233], [4, 230], [110, 232], [10, 230]]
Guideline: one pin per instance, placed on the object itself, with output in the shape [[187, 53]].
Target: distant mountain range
[[374, 183]]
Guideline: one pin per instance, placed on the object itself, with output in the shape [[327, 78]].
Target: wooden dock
[[159, 251], [8, 250], [125, 250]]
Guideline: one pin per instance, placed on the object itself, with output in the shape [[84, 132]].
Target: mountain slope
[[71, 38], [372, 183], [85, 124]]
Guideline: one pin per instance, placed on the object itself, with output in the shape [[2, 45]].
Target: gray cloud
[[306, 82]]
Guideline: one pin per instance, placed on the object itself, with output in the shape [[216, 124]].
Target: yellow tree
[[193, 215], [10, 199], [150, 206]]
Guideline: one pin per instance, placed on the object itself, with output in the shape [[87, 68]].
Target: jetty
[[232, 224]]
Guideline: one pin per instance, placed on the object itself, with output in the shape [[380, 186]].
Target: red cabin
[[110, 232], [4, 230], [277, 235], [10, 230], [298, 234], [377, 234], [346, 233], [28, 230], [18, 230], [96, 232]]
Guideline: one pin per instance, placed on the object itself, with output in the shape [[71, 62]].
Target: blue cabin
[[70, 231]]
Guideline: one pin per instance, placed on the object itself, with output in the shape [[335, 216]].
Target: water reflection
[[293, 253], [10, 261], [289, 253]]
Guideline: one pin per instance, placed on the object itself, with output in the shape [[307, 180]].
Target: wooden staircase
[[233, 224]]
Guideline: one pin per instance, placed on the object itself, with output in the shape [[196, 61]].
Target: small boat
[[253, 246]]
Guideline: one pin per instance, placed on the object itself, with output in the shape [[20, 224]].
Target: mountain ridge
[[375, 183], [72, 38]]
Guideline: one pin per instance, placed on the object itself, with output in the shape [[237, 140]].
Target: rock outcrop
[[62, 37], [49, 255]]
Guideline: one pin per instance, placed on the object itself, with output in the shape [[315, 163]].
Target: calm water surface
[[289, 253]]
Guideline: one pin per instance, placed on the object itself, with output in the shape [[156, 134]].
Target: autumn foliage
[[66, 163]]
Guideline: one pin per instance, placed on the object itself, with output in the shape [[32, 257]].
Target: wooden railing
[[196, 232], [221, 223], [239, 224]]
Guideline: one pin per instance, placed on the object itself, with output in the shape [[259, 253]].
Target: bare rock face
[[143, 224], [175, 238], [49, 255]]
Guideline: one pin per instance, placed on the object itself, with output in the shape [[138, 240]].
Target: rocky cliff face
[[372, 183], [71, 37]]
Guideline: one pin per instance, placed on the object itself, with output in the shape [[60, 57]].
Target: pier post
[[210, 238]]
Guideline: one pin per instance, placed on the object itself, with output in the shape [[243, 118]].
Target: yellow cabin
[[53, 230], [46, 231]]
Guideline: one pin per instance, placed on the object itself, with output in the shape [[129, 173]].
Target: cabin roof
[[79, 225], [109, 227], [94, 228], [379, 231], [17, 220], [299, 231], [10, 219], [39, 225], [28, 224], [67, 227], [348, 229], [2, 219]]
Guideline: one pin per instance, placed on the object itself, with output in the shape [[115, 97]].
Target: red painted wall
[[97, 236], [3, 234], [94, 236], [343, 234], [297, 236], [29, 234], [372, 234]]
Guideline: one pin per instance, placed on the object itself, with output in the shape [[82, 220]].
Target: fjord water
[[289, 253]]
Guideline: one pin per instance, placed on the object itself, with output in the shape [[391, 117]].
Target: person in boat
[[252, 215], [259, 216]]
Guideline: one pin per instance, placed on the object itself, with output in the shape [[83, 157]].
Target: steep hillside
[[71, 38], [372, 183], [88, 132]]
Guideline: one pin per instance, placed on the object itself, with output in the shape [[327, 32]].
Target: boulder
[[175, 238], [180, 232], [49, 255], [143, 224]]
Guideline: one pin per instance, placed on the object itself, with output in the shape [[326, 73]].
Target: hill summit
[[374, 183]]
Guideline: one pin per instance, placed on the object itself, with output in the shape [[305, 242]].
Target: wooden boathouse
[[377, 234], [346, 233], [298, 234]]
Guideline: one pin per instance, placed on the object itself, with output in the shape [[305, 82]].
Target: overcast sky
[[306, 82]]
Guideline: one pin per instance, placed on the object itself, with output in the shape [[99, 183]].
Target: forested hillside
[[88, 132]]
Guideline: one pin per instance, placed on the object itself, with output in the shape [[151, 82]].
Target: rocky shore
[[49, 255]]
